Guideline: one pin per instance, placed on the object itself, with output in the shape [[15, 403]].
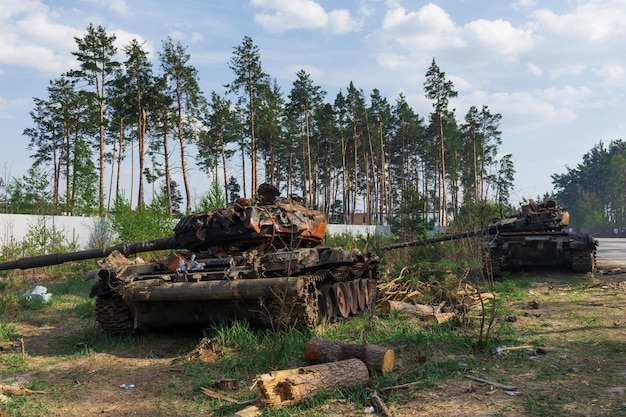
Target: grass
[[578, 325]]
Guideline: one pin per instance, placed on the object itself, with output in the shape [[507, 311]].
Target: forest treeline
[[358, 157], [594, 191]]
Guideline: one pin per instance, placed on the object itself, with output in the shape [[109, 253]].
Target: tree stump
[[292, 386], [376, 358]]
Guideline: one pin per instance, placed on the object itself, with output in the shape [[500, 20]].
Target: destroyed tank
[[538, 236], [260, 261], [535, 237]]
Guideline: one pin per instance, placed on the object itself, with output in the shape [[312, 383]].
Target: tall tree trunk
[[166, 163], [223, 152], [253, 167], [444, 217], [181, 143], [141, 155], [308, 152], [119, 158]]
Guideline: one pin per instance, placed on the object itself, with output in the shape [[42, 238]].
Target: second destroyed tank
[[535, 237], [538, 237]]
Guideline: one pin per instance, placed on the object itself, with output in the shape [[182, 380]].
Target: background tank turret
[[260, 261]]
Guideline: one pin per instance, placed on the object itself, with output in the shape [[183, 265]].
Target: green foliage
[[29, 194], [151, 221], [213, 199], [476, 215], [42, 239]]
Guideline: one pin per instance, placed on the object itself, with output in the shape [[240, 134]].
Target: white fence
[[15, 227]]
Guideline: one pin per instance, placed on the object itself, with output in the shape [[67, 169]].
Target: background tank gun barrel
[[534, 218], [126, 249], [445, 238]]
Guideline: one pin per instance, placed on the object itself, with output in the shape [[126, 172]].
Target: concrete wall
[[357, 230], [14, 228]]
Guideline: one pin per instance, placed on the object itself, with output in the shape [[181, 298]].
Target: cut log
[[292, 386], [376, 358], [440, 317], [415, 310]]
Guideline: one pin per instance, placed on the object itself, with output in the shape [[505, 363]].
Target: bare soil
[[575, 360]]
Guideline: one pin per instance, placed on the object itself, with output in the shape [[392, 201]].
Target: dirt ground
[[90, 384]]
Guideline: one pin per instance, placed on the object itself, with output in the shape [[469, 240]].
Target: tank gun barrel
[[445, 238], [126, 249]]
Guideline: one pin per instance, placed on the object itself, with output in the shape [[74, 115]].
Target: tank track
[[114, 316], [583, 260], [323, 301]]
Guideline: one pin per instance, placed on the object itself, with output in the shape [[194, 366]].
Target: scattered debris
[[124, 386], [382, 407], [207, 351], [6, 390], [495, 384], [534, 305], [39, 293], [226, 384], [214, 394]]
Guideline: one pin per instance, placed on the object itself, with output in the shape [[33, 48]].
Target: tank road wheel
[[343, 299], [114, 316], [583, 260], [361, 293], [354, 296]]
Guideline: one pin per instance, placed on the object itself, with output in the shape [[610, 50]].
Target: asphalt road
[[612, 251]]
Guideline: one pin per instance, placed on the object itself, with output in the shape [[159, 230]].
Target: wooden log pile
[[336, 365]]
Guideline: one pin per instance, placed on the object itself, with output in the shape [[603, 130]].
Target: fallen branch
[[18, 390], [407, 385], [495, 384], [384, 410], [214, 394]]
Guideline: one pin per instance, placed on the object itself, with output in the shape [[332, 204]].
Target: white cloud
[[501, 37], [30, 39], [118, 6], [591, 21], [612, 74], [428, 28], [533, 69], [284, 15]]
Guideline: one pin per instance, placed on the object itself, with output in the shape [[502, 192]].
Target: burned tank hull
[[536, 238], [262, 262], [510, 251], [301, 288]]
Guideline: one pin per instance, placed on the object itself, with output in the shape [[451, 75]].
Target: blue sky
[[555, 70]]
